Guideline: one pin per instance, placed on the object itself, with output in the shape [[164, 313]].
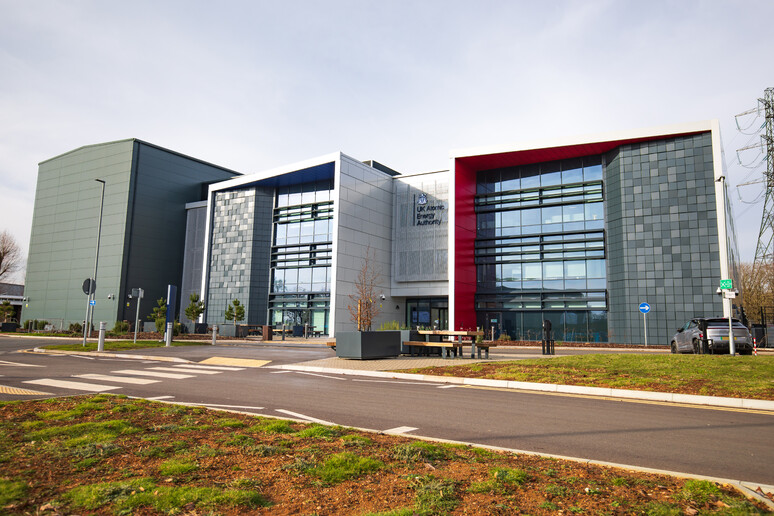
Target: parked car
[[688, 339]]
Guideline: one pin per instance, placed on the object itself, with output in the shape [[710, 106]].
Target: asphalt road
[[706, 441]]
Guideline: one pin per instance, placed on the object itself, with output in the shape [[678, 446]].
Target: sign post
[[137, 293], [727, 285], [645, 308]]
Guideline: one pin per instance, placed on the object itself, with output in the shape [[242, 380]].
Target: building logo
[[427, 212]]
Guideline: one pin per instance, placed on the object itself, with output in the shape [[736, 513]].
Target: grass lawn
[[710, 375], [111, 455], [119, 345]]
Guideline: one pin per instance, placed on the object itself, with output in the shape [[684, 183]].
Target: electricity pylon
[[763, 251]]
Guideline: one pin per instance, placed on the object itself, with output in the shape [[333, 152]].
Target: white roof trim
[[274, 172]]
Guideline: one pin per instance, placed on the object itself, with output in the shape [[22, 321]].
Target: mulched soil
[[234, 449]]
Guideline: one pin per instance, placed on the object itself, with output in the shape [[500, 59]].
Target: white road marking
[[156, 374], [301, 416], [159, 398], [222, 406], [78, 386], [213, 367], [194, 371], [398, 381], [281, 372], [117, 379], [400, 430], [81, 356], [447, 386], [322, 375], [20, 364]]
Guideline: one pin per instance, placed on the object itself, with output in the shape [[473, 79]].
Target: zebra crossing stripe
[[116, 379], [156, 374], [78, 386], [181, 369]]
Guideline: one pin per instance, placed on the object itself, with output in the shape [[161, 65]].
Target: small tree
[[159, 314], [235, 311], [365, 306], [6, 310], [195, 308]]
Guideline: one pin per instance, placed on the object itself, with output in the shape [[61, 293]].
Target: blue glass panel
[[511, 218], [592, 173], [575, 269], [575, 284], [597, 326], [553, 285], [573, 213], [594, 211], [595, 268], [550, 174], [510, 179], [576, 326], [572, 171], [530, 176], [553, 270], [551, 214], [531, 271], [530, 217]]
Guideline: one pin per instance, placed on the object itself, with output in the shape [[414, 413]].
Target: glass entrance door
[[493, 325]]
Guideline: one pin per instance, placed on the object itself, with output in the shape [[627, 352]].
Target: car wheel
[[673, 347]]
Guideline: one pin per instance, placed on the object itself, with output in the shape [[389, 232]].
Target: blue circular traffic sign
[[644, 308]]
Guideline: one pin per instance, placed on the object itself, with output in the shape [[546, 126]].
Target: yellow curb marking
[[241, 362], [16, 390]]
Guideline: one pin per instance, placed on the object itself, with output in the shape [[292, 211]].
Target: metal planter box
[[367, 345]]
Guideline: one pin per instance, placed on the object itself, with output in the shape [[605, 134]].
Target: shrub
[[392, 326], [504, 336], [75, 328], [40, 325], [121, 327]]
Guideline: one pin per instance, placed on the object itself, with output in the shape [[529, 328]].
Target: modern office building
[[143, 228], [577, 231], [582, 231]]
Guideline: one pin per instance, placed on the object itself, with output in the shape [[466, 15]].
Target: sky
[[252, 85]]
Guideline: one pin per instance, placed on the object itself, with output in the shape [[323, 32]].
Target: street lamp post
[[92, 290]]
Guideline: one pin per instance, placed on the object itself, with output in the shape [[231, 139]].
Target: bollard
[[101, 341], [169, 334], [214, 335]]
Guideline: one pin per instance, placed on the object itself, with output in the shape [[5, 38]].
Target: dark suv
[[688, 339]]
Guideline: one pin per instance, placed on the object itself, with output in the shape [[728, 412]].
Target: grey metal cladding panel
[[261, 256], [655, 209], [165, 182], [193, 257], [64, 231]]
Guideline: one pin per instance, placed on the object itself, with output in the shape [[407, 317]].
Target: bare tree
[[757, 287], [365, 306], [10, 255]]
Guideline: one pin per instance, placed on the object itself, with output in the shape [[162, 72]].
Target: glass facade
[[428, 313], [301, 256], [540, 250]]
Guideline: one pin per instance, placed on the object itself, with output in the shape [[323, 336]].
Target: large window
[[540, 249], [301, 256]]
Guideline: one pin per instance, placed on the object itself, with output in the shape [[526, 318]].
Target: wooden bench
[[446, 347], [485, 346], [331, 344]]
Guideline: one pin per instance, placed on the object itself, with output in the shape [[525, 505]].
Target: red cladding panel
[[464, 289]]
